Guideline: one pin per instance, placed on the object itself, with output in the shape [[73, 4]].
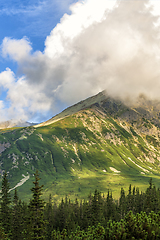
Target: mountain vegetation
[[98, 143], [134, 216]]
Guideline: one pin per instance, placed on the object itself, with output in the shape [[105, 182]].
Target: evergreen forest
[[135, 215]]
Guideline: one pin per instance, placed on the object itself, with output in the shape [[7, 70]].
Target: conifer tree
[[49, 218], [109, 210], [122, 203], [5, 203], [129, 199], [96, 208], [61, 218], [36, 207], [3, 236], [16, 218], [26, 220]]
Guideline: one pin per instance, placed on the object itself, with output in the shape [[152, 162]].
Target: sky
[[54, 53]]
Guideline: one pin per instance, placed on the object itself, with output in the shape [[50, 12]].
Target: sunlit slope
[[106, 146], [99, 98]]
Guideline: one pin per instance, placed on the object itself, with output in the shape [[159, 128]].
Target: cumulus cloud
[[17, 50], [83, 15], [103, 44], [22, 99]]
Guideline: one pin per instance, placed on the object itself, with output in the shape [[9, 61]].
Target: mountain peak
[[97, 143], [101, 96]]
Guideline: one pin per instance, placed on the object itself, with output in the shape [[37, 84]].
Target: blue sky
[[55, 53], [31, 18]]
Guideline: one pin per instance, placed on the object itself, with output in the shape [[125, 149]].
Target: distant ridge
[[15, 123]]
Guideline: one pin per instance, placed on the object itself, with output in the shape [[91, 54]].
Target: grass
[[71, 159]]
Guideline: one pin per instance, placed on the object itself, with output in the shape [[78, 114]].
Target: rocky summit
[[99, 143]]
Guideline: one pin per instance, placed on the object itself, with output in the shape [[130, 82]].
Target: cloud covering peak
[[103, 44]]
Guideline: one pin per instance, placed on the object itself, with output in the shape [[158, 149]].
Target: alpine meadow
[[99, 143], [98, 163]]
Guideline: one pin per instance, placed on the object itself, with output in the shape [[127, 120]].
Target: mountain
[[75, 108], [100, 143], [15, 123]]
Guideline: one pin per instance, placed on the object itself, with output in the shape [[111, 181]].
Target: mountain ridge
[[75, 108], [106, 144], [15, 123], [141, 106]]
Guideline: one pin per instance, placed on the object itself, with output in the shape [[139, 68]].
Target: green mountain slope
[[105, 145]]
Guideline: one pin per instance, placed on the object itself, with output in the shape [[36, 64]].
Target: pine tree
[[109, 211], [96, 208], [122, 204], [129, 199], [36, 207], [49, 218], [3, 236], [61, 218], [5, 203], [16, 218], [26, 221]]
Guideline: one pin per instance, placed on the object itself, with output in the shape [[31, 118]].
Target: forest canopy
[[135, 215]]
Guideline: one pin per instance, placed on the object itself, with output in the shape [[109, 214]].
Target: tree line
[[135, 215]]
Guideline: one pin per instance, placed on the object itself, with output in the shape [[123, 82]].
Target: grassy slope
[[80, 153]]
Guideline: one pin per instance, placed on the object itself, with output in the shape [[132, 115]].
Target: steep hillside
[[104, 144], [99, 98]]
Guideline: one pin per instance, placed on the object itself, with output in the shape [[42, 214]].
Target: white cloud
[[103, 49], [83, 15], [2, 111], [17, 50], [93, 49], [6, 78], [23, 99]]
